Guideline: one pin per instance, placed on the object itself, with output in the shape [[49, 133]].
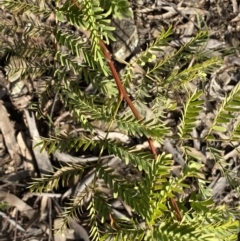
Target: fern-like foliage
[[191, 109], [73, 60], [227, 112]]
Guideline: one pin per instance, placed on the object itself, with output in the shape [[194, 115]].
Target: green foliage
[[227, 112], [191, 109], [3, 206], [118, 8], [73, 62]]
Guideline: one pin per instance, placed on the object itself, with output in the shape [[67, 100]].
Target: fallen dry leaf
[[8, 133]]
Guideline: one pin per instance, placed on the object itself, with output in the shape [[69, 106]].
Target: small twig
[[42, 194], [64, 157], [50, 219], [54, 104], [61, 117], [214, 181], [13, 222], [16, 219]]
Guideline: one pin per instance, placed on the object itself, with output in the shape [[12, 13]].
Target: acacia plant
[[65, 44]]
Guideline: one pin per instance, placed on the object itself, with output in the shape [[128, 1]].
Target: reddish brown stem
[[123, 95], [122, 92]]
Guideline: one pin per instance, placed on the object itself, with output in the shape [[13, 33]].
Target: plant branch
[[122, 92], [123, 95]]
